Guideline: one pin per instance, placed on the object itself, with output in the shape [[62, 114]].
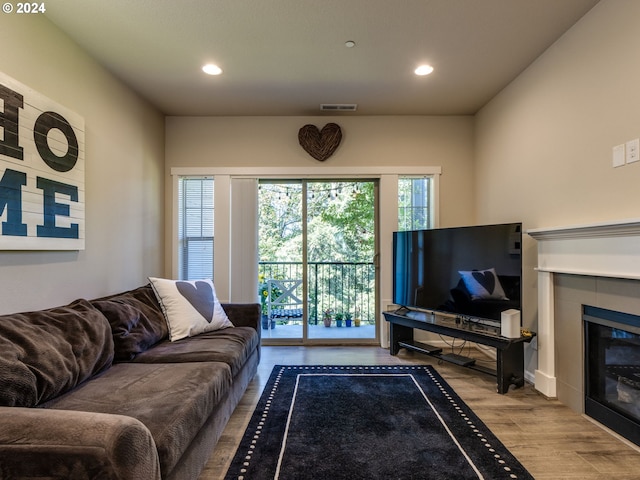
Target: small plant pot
[[266, 324], [347, 323]]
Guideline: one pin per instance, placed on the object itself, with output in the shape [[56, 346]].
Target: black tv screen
[[472, 271]]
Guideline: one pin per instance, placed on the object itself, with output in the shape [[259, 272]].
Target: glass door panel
[[341, 245], [317, 280], [280, 272]]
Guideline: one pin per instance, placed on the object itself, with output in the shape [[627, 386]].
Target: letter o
[[45, 122]]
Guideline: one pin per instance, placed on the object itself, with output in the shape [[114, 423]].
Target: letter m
[[11, 203]]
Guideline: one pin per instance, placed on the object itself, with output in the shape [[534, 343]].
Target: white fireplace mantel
[[610, 249]]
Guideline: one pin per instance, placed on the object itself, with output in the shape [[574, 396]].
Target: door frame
[[245, 267]]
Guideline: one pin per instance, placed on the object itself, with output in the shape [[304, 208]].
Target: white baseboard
[[530, 377]]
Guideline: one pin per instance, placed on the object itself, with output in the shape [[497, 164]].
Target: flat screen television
[[473, 271]]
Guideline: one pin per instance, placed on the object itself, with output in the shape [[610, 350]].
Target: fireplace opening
[[612, 370]]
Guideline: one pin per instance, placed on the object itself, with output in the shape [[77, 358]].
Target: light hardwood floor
[[550, 440]]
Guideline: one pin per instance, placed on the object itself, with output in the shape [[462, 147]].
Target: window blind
[[195, 227]]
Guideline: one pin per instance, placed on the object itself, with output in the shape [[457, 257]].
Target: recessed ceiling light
[[349, 44], [423, 70], [211, 69]]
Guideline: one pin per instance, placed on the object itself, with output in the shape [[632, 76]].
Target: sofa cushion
[[172, 400], [190, 307], [48, 352], [244, 314], [232, 346], [136, 321]]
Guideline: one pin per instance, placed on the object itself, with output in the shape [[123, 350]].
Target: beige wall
[[367, 141], [124, 174], [544, 144]]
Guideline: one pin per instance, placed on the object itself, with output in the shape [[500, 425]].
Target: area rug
[[367, 422]]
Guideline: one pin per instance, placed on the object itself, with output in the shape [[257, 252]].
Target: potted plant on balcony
[[339, 318], [356, 320], [263, 293], [326, 317], [348, 318]]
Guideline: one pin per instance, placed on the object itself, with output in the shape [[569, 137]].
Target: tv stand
[[509, 351]]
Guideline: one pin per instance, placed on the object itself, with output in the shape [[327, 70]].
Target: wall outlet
[[632, 150]]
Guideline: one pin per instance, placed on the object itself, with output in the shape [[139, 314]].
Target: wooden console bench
[[509, 351]]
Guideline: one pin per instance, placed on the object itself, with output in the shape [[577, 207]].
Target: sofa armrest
[[49, 443], [243, 314]]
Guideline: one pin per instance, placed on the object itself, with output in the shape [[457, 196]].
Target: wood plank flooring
[[549, 439]]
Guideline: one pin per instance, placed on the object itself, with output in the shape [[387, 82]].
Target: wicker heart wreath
[[320, 144]]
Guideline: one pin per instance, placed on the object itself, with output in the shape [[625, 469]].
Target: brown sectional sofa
[[95, 389]]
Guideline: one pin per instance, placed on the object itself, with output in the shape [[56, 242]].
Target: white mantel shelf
[[608, 249], [593, 230]]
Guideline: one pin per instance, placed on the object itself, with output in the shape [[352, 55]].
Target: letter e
[[53, 208]]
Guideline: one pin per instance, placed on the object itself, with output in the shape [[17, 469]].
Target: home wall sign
[[320, 144], [42, 190]]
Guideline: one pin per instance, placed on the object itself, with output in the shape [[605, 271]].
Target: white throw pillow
[[483, 284], [189, 307]]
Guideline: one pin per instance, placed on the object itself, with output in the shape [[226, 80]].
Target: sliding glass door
[[317, 271]]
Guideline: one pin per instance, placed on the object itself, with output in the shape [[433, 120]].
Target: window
[[414, 203], [195, 227]]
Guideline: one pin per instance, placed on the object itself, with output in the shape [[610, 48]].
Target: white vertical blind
[[244, 240], [195, 227]]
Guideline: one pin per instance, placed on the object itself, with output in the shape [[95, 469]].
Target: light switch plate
[[632, 150], [618, 155]]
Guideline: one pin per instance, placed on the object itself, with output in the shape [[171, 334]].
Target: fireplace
[[588, 283], [612, 370]]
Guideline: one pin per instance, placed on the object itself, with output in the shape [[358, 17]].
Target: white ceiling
[[286, 57]]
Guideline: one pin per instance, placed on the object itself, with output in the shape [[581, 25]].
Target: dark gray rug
[[358, 422]]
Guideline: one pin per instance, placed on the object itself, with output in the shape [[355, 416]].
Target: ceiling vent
[[338, 107]]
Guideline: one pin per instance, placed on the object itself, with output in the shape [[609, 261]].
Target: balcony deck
[[366, 332]]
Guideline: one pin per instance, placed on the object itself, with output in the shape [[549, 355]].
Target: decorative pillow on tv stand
[[189, 307], [483, 284]]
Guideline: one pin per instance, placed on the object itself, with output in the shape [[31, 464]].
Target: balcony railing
[[339, 287]]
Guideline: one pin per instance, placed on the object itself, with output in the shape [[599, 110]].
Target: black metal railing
[[335, 287]]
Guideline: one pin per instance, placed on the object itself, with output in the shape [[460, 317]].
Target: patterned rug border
[[511, 467]]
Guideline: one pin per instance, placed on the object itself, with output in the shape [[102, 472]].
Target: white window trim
[[388, 213]]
